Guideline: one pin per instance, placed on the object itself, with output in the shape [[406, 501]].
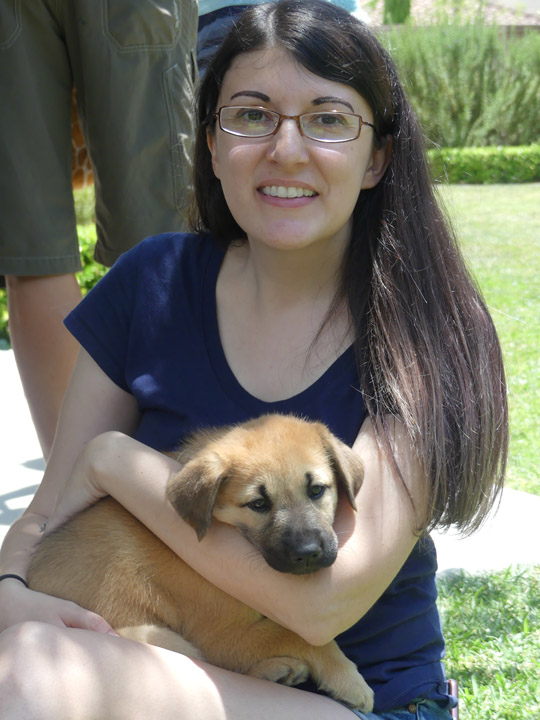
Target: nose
[[306, 555], [288, 145]]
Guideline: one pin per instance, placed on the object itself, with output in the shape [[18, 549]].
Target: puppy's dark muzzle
[[301, 553]]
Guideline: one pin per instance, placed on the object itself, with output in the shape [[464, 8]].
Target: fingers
[[20, 604], [73, 616]]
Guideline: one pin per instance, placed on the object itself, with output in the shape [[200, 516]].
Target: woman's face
[[255, 173]]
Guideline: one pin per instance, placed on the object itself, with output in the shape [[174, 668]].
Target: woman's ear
[[212, 146], [380, 159]]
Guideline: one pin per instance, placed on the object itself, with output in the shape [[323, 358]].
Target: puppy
[[276, 479]]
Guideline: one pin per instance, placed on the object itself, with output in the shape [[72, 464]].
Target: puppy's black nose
[[306, 555], [302, 552]]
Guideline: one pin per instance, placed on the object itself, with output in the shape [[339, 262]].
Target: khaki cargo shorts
[[133, 62]]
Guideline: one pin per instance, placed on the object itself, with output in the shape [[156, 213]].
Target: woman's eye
[[316, 491], [253, 115], [331, 119], [329, 126]]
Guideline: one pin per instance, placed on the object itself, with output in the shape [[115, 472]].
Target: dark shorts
[[133, 62]]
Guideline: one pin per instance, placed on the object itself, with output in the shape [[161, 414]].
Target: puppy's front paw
[[358, 695], [283, 670], [342, 681]]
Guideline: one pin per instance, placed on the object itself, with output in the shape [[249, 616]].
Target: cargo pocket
[[145, 24], [10, 22], [179, 98]]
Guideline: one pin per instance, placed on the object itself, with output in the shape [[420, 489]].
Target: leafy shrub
[[471, 85], [85, 199], [486, 164], [396, 11], [91, 270], [4, 335]]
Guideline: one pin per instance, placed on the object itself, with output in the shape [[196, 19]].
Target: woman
[[322, 281]]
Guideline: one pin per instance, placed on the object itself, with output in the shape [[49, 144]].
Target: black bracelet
[[14, 577]]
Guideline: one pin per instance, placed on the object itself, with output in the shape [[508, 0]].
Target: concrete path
[[511, 536]]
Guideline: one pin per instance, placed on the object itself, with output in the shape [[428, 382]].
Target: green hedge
[[486, 164]]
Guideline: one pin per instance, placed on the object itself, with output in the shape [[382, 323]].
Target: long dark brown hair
[[426, 346]]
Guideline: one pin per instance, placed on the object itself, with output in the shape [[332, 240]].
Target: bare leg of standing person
[[44, 350]]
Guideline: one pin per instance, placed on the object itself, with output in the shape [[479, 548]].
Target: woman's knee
[[30, 674], [22, 644]]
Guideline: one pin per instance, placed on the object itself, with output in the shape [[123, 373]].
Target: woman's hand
[[19, 604]]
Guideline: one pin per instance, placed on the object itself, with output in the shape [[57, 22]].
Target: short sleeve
[[102, 321]]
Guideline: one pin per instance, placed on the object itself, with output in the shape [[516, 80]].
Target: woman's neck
[[272, 317], [279, 279]]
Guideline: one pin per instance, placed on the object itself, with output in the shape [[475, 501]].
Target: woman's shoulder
[[168, 255], [153, 268], [173, 245]]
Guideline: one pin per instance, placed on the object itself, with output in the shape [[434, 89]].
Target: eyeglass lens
[[258, 122]]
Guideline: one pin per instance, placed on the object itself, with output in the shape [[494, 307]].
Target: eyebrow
[[316, 101], [330, 99], [252, 93]]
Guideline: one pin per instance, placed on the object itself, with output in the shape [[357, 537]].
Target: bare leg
[[48, 672], [44, 350]]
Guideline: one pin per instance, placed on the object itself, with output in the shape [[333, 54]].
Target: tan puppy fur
[[277, 480]]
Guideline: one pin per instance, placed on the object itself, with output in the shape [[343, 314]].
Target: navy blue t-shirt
[[151, 325]]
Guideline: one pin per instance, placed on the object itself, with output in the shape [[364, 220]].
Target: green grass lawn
[[492, 622], [499, 226], [492, 630]]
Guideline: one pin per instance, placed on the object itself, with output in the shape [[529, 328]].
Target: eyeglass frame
[[296, 118]]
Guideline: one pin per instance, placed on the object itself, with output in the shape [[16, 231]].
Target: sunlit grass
[[492, 630], [499, 226]]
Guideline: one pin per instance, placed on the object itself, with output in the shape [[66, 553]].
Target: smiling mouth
[[281, 191]]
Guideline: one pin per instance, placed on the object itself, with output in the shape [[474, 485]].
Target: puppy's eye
[[259, 505], [316, 491]]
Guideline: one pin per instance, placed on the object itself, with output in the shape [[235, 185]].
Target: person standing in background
[[217, 16], [133, 64]]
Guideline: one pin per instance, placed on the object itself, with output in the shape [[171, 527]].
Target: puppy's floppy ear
[[348, 466], [194, 489]]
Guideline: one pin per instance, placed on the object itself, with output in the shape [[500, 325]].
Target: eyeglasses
[[329, 126]]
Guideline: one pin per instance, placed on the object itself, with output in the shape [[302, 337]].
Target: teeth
[[287, 192]]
